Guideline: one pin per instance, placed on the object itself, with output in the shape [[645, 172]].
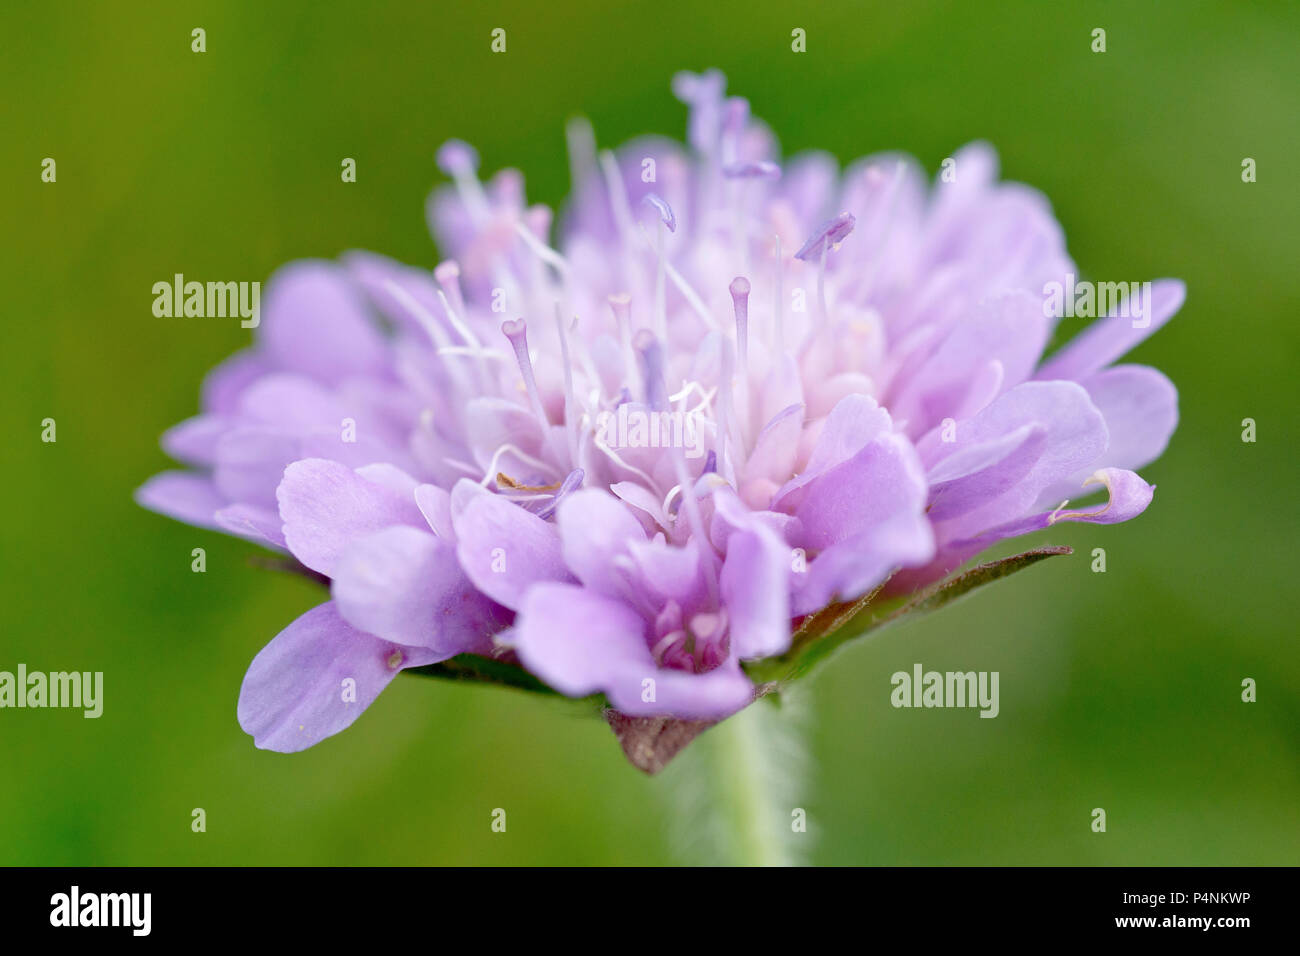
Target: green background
[[1118, 690]]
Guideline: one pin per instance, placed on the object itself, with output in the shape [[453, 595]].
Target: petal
[[775, 449], [855, 421], [503, 548], [250, 461], [1075, 438], [865, 517], [1107, 339], [291, 402], [959, 377], [1129, 496], [315, 322], [1140, 406], [580, 643], [435, 504], [249, 521], [755, 587], [595, 528], [405, 585], [325, 506], [182, 495], [194, 441], [295, 692], [577, 640], [226, 383], [984, 472]]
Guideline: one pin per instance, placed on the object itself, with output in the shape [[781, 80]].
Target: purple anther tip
[[761, 169], [515, 330], [665, 211], [829, 233], [456, 156]]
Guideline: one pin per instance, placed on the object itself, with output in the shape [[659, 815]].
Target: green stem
[[742, 762]]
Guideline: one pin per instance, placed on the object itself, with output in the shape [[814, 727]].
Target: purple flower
[[731, 393]]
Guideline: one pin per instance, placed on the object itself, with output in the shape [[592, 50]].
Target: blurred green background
[[1118, 690]]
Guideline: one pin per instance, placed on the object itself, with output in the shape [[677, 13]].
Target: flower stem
[[743, 767]]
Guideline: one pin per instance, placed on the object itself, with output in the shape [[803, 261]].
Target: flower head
[[726, 394]]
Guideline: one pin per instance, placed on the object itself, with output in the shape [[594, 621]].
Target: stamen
[[572, 481], [690, 295], [570, 419], [447, 275], [826, 236], [666, 221], [493, 469], [761, 169], [582, 151], [740, 300], [830, 233], [461, 328], [778, 316], [620, 304], [516, 330], [543, 251], [665, 211], [618, 197], [653, 369], [724, 407], [460, 161]]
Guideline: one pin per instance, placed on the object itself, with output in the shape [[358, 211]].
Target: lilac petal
[[325, 506], [577, 640], [182, 495], [854, 422], [669, 573], [390, 476], [1009, 329], [291, 402], [1129, 496], [987, 471], [194, 441], [405, 585], [755, 585], [581, 643], [250, 461], [503, 548], [1107, 339], [830, 233], [848, 569], [596, 528], [882, 480], [1076, 437], [711, 695], [435, 504], [328, 443], [315, 322], [293, 695], [1140, 406], [262, 525], [865, 517], [226, 383], [776, 447]]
